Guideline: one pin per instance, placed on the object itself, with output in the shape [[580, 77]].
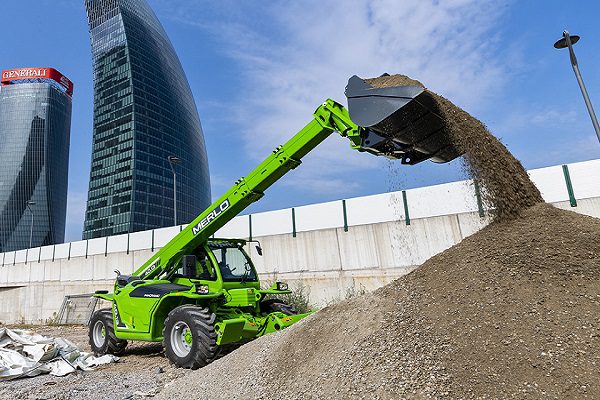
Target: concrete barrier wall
[[381, 238]]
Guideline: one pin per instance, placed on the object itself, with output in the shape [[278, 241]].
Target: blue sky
[[258, 70]]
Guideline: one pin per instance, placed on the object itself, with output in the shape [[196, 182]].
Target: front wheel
[[189, 337], [101, 333]]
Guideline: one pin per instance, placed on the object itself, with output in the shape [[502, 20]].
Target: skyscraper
[[35, 126], [144, 112]]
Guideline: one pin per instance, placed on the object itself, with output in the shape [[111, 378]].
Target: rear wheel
[[277, 305], [101, 333], [189, 337]]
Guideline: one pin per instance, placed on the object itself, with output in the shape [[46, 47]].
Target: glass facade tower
[[35, 125], [144, 112]]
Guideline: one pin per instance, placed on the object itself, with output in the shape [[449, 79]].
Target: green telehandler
[[198, 294]]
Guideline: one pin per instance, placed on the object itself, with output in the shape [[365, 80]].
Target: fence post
[[478, 197], [293, 222], [406, 213], [572, 199], [345, 215], [250, 226]]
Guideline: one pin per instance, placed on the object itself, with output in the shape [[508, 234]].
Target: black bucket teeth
[[403, 119]]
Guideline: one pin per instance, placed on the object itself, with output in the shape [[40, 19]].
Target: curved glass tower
[[35, 125], [144, 112]]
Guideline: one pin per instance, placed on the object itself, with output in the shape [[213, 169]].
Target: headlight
[[282, 286], [202, 289]]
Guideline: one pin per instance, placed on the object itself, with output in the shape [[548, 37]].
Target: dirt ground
[[141, 370]]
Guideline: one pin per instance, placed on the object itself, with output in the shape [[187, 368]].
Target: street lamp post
[[173, 161], [568, 41], [29, 204]]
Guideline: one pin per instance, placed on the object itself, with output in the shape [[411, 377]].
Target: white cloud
[[296, 54], [537, 116], [554, 116], [572, 147], [219, 184], [326, 184]]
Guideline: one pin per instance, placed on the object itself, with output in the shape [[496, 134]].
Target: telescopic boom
[[329, 117]]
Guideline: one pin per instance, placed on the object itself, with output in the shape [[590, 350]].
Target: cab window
[[204, 269], [234, 264]]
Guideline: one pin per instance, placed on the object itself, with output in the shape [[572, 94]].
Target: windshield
[[234, 264]]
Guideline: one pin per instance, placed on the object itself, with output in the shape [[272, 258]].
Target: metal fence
[[557, 183], [76, 309]]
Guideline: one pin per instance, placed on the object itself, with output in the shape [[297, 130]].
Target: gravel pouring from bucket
[[401, 112], [400, 121]]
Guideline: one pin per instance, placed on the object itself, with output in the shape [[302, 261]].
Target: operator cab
[[234, 263]]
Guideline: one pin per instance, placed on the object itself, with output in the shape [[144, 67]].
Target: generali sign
[[11, 75]]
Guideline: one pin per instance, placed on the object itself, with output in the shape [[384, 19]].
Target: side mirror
[[189, 266], [259, 250]]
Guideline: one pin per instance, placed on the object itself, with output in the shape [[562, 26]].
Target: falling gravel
[[507, 189]]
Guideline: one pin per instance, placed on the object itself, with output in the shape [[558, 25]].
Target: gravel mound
[[516, 306], [510, 312], [507, 187]]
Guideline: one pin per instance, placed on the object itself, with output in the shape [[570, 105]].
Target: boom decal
[[150, 268], [211, 216]]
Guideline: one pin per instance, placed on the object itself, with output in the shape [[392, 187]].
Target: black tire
[[107, 342], [189, 337], [277, 305]]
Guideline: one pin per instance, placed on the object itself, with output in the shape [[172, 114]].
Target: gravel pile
[[511, 312], [507, 187]]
